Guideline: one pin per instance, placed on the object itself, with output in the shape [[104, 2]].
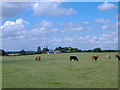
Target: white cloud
[[85, 22], [106, 6], [102, 21], [10, 9], [74, 29], [106, 27], [12, 23], [71, 27], [111, 26], [106, 41], [44, 29], [41, 32], [12, 29], [70, 24], [117, 24], [52, 9], [107, 38], [17, 37], [45, 23]]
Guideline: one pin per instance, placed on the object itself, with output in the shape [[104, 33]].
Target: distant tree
[[22, 52], [75, 50], [97, 50], [110, 50], [70, 50], [45, 50], [89, 50], [58, 49], [67, 49], [2, 52], [63, 50], [118, 50], [79, 50], [31, 52], [39, 50]]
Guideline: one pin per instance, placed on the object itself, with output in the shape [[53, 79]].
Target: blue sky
[[83, 25]]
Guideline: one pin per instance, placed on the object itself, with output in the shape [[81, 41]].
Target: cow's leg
[[73, 59], [95, 60], [118, 58]]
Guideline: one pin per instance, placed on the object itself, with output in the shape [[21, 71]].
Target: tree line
[[60, 49]]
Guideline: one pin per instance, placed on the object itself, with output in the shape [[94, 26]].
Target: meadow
[[57, 71]]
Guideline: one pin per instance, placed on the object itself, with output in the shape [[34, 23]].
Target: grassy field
[[57, 71]]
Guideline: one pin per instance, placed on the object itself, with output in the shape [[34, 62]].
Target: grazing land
[[57, 71]]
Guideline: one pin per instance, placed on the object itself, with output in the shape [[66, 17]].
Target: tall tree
[[45, 50], [2, 52], [22, 52], [39, 50], [58, 49], [97, 50]]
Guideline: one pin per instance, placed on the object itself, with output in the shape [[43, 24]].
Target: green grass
[[0, 72], [57, 71]]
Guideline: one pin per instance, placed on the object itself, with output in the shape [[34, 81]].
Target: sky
[[83, 25]]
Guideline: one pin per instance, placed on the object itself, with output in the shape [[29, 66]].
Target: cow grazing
[[118, 57], [108, 57], [95, 58], [38, 58], [73, 58]]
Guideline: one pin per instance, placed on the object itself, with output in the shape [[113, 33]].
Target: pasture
[[57, 71]]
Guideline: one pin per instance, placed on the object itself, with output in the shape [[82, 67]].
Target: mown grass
[[57, 71], [0, 72]]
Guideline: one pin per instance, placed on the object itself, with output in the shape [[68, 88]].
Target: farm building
[[56, 52], [13, 54], [52, 52]]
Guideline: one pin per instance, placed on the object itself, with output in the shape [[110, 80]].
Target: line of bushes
[[60, 49]]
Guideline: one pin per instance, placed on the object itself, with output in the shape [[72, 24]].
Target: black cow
[[74, 58], [118, 57]]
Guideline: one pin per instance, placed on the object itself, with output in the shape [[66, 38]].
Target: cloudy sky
[[83, 25]]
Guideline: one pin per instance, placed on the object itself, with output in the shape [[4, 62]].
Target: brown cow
[[118, 57], [95, 58], [38, 58]]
